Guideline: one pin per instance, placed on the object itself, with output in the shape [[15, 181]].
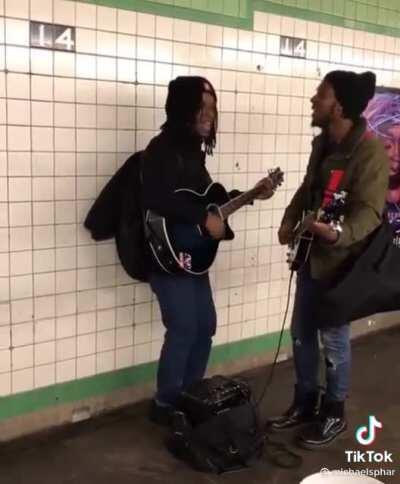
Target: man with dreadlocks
[[176, 159]]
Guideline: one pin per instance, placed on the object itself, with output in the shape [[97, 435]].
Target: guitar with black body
[[178, 247], [331, 213]]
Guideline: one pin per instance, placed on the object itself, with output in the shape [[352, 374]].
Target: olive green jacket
[[366, 175]]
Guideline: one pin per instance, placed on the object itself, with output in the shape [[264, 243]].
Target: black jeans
[[189, 316]]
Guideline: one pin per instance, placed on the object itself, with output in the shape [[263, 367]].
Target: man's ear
[[338, 110]]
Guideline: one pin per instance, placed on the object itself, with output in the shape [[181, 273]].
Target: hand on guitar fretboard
[[267, 186]]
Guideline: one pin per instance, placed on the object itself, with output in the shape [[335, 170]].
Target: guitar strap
[[142, 211], [332, 186]]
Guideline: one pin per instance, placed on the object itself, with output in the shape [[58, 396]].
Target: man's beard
[[394, 181], [322, 123]]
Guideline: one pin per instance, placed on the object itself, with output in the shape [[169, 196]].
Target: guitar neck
[[238, 202]]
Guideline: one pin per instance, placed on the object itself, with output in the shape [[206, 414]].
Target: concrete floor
[[123, 447]]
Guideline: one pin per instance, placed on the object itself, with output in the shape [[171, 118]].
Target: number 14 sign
[[293, 47], [50, 36]]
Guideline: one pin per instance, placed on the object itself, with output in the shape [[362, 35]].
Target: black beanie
[[185, 97], [353, 91]]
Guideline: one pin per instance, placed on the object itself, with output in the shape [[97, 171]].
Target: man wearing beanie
[[357, 160], [176, 159]]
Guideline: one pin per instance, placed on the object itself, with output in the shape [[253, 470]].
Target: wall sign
[[293, 47], [50, 36]]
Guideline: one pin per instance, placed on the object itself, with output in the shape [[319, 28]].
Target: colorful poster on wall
[[383, 118]]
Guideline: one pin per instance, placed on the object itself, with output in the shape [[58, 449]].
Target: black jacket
[[169, 164], [147, 180]]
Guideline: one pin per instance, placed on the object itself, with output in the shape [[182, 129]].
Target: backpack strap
[[141, 162]]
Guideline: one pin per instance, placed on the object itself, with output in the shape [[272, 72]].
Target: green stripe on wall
[[214, 16], [377, 16], [35, 400]]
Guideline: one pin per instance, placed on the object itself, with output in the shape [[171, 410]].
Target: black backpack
[[229, 441], [117, 212]]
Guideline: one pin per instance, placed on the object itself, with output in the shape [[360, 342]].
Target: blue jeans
[[189, 316], [335, 340]]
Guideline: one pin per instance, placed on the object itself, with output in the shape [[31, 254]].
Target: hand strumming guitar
[[285, 234], [320, 229], [215, 226]]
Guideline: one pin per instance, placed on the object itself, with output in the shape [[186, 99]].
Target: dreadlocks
[[184, 101]]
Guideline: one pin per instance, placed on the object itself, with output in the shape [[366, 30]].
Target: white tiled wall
[[68, 120]]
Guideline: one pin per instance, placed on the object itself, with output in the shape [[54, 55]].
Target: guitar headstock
[[275, 176]]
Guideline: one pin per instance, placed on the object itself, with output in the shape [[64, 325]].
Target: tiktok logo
[[366, 434]]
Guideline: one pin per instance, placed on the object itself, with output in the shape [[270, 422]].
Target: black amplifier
[[211, 396]]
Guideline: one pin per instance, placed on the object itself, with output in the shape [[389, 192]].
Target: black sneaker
[[161, 414], [300, 413], [330, 425]]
